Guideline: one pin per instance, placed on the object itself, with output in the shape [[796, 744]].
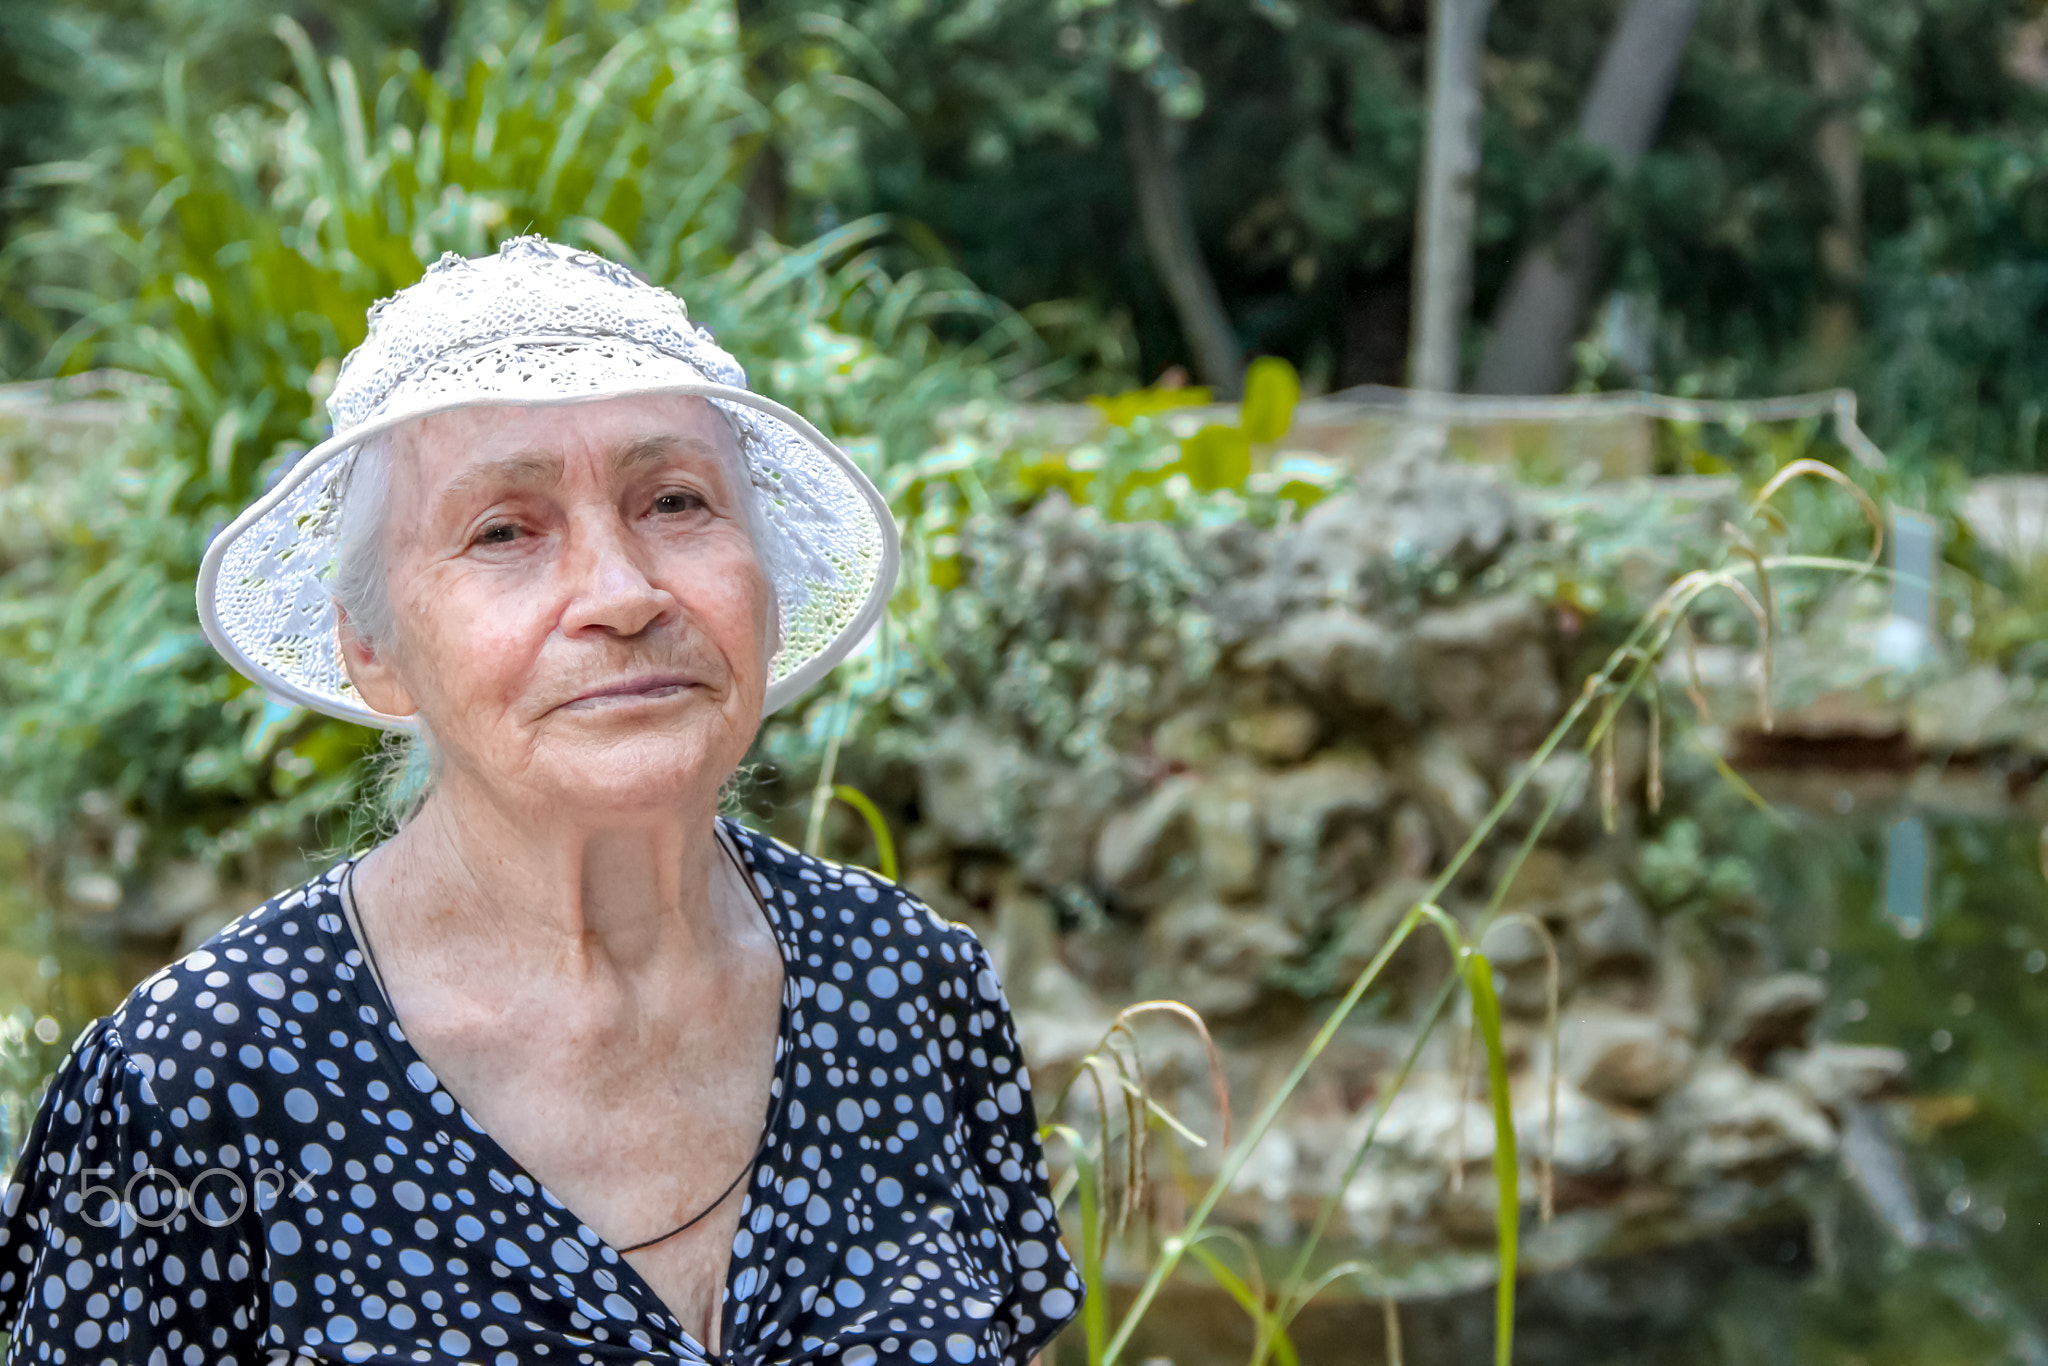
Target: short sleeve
[[118, 1242], [1003, 1126]]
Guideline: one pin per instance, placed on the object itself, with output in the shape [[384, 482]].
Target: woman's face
[[580, 616]]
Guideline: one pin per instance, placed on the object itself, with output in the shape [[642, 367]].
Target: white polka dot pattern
[[900, 1212]]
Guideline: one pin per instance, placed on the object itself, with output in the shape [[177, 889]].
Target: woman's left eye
[[671, 503]]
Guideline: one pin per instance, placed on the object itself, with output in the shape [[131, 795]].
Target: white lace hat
[[540, 323]]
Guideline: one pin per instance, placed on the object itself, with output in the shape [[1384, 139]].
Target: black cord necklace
[[767, 1127]]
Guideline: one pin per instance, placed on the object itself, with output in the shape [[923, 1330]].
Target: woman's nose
[[610, 590]]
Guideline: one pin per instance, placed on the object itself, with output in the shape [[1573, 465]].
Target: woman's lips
[[652, 688]]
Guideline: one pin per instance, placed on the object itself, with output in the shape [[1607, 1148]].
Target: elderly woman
[[569, 1068]]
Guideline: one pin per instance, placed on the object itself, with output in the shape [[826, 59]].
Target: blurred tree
[[1734, 225], [1443, 225], [1840, 191], [1203, 168], [41, 62], [49, 93], [1154, 143], [1539, 314]]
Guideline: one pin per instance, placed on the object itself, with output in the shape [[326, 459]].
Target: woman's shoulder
[[232, 995], [839, 904], [191, 1033]]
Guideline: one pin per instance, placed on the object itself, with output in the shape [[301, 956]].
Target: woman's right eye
[[501, 533]]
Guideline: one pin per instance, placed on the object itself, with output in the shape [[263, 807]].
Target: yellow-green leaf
[[1121, 410], [1216, 457], [1271, 389], [1302, 493]]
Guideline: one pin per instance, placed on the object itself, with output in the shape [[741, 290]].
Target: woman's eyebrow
[[652, 450], [526, 468], [540, 469]]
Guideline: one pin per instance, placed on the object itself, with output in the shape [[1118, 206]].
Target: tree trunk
[[1443, 220], [1840, 69], [1540, 313], [1152, 143]]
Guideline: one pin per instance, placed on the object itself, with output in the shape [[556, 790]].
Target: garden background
[[1216, 654]]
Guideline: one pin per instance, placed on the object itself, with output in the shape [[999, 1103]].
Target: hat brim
[[273, 620]]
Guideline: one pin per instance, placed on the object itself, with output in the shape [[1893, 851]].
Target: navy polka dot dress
[[248, 1163]]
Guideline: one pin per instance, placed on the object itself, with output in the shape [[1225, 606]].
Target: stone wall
[[1220, 764]]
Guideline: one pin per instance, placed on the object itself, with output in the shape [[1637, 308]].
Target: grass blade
[[885, 845], [1506, 1177]]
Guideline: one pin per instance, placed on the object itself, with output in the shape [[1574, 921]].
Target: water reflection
[[1934, 1247], [1905, 876]]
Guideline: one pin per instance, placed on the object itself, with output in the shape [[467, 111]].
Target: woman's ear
[[376, 682]]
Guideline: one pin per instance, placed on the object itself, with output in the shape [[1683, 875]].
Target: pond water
[[1931, 1246], [1961, 987]]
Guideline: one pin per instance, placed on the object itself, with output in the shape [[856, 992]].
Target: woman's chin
[[619, 769]]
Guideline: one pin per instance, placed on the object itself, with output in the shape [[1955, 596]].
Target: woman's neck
[[583, 897]]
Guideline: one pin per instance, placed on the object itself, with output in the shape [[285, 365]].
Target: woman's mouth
[[632, 692]]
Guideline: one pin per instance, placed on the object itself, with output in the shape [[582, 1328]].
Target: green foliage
[[1958, 299], [1011, 147], [1949, 290], [229, 260], [2009, 612], [1132, 469], [274, 228], [1677, 872], [80, 78], [1006, 139], [1927, 307], [1121, 410], [1271, 391]]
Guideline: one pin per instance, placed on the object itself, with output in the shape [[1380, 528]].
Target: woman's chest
[[637, 1130]]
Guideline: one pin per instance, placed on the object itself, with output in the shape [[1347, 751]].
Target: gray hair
[[362, 586], [402, 771]]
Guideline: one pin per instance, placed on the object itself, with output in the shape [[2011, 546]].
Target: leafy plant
[[1133, 468], [230, 262]]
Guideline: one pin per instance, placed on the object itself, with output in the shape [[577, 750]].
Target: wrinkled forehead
[[529, 443]]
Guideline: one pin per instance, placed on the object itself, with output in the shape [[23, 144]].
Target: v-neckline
[[399, 1051]]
